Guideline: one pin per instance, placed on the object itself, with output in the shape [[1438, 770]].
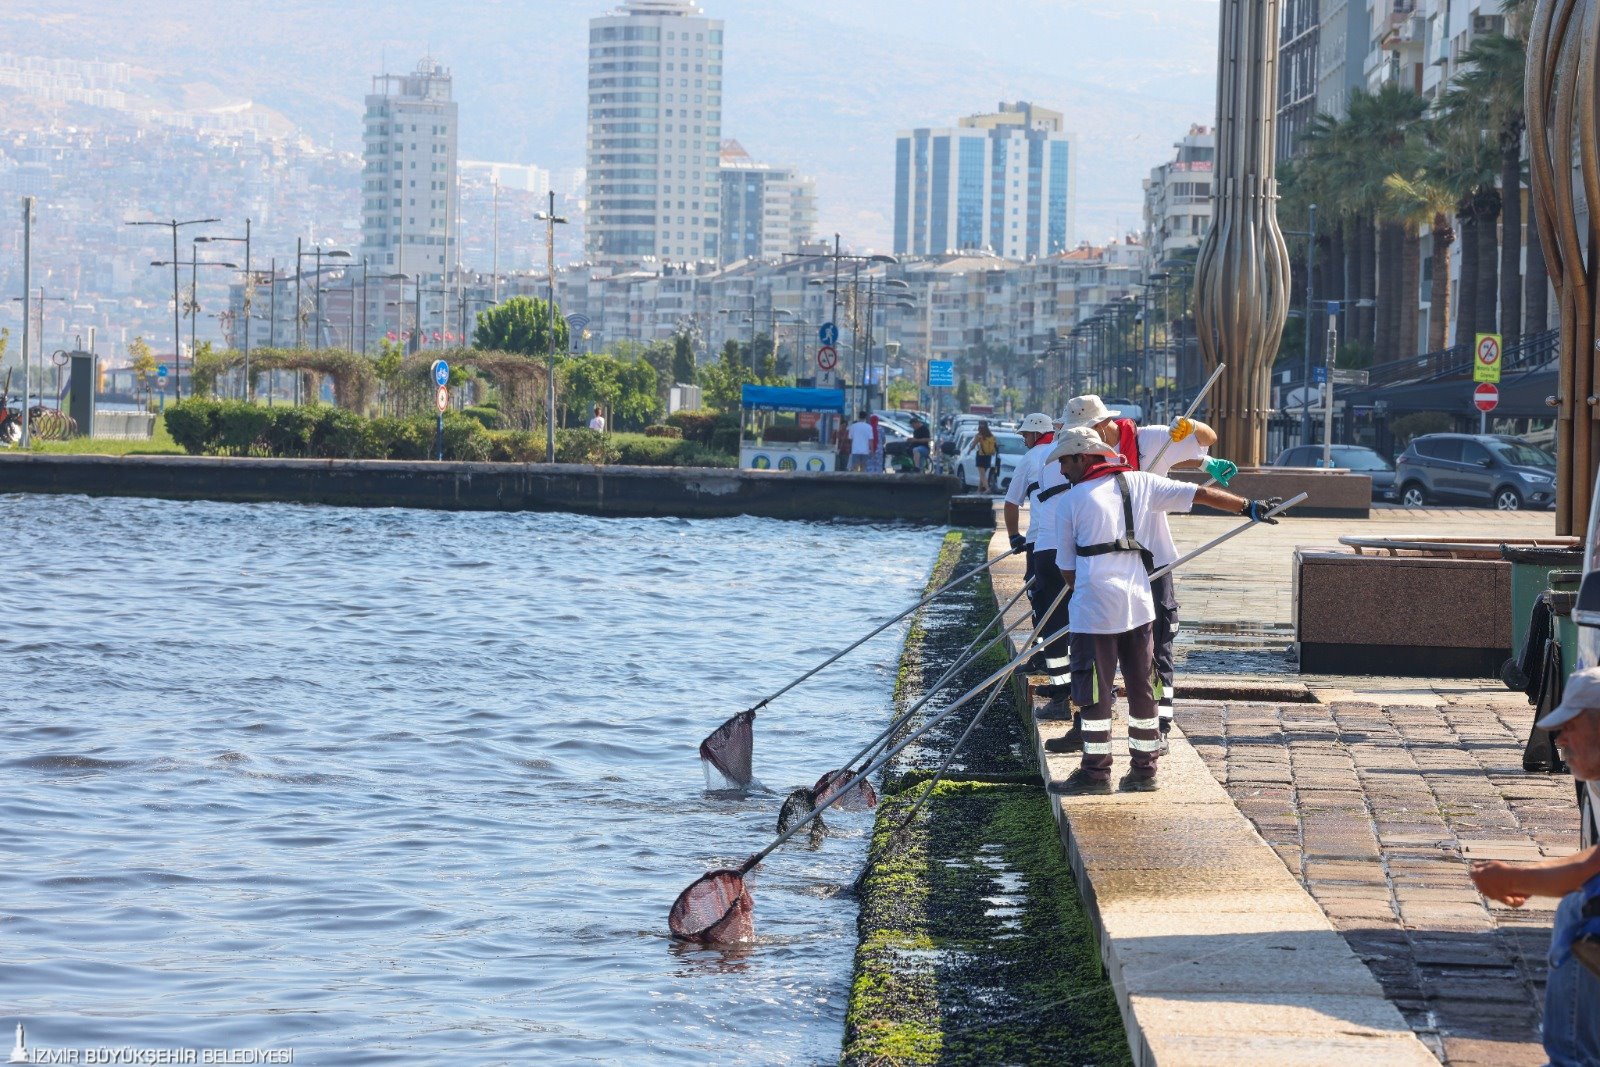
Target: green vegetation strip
[[974, 945]]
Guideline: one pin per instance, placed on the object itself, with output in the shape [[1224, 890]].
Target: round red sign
[[827, 357], [1486, 397]]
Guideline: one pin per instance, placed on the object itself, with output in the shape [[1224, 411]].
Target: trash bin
[[1531, 569]]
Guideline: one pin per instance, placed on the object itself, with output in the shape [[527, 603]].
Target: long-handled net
[[717, 907], [727, 749]]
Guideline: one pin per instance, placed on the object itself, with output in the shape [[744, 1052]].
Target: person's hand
[[1018, 542], [1257, 510], [1499, 881], [1181, 427], [1220, 469]]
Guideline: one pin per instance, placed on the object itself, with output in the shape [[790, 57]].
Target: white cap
[[1086, 410], [1079, 441], [1037, 422], [1581, 694]]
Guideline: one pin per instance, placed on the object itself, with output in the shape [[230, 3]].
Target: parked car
[[1012, 449], [1486, 469], [1358, 458]]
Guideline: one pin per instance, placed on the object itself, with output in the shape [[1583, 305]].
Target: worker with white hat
[[1571, 1027], [1032, 476], [1157, 450], [1104, 524]]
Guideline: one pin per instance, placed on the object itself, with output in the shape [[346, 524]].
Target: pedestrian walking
[[860, 442], [1156, 450], [1104, 524], [985, 450], [1035, 475], [598, 423], [1572, 988], [875, 456]]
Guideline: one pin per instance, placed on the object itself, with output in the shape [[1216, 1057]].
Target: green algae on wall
[[974, 945]]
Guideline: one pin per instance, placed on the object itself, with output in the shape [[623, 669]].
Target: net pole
[[1193, 407], [964, 698]]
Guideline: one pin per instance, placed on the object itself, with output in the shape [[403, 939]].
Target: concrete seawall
[[679, 492]]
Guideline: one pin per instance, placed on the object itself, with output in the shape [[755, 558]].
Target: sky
[[823, 85]]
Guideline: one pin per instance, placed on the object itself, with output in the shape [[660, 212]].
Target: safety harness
[[1044, 439], [1128, 542]]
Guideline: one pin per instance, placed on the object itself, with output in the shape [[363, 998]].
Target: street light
[[193, 310], [249, 288], [1329, 357], [551, 221], [300, 253], [177, 334]]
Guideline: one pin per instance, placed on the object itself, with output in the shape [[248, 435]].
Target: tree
[[624, 387], [1421, 200], [520, 325], [683, 369], [143, 363], [722, 382]]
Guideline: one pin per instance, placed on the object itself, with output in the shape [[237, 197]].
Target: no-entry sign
[[1486, 397]]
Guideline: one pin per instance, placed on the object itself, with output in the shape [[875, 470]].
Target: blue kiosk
[[805, 447]]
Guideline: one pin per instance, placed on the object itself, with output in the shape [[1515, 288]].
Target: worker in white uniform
[[1156, 450], [1033, 473], [1103, 526]]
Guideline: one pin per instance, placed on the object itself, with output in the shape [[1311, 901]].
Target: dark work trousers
[[1027, 573], [1048, 584], [1166, 631], [1095, 658]]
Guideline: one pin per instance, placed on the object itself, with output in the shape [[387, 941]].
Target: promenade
[[1305, 864]]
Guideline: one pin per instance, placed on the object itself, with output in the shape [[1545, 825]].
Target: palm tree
[[1421, 200], [1491, 77], [1383, 132], [1467, 164]]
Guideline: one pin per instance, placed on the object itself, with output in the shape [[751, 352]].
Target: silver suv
[[1486, 469]]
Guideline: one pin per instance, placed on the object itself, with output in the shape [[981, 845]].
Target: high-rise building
[[1341, 53], [1297, 73], [410, 200], [655, 130], [1001, 182], [1177, 198], [766, 210]]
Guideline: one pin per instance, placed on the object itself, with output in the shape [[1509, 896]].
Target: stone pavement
[[1374, 794]]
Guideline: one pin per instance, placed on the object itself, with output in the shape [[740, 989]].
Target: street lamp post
[[1310, 234], [177, 332], [195, 264], [551, 220], [249, 290]]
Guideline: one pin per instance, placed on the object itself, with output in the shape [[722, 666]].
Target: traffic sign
[[1486, 358], [443, 398], [1486, 396], [827, 357], [828, 334], [941, 373], [441, 374], [161, 372], [1350, 377], [1319, 375]]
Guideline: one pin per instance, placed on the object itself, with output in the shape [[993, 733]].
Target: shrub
[[489, 417], [291, 431], [239, 428], [583, 446], [725, 439], [645, 451], [694, 425], [517, 446], [465, 439], [190, 425], [659, 430], [341, 434], [402, 438]]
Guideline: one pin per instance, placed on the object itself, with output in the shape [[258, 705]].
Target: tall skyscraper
[[411, 201], [655, 129], [766, 210], [1001, 181]]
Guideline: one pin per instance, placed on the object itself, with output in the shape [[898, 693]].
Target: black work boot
[[1134, 782], [1072, 741], [1079, 784]]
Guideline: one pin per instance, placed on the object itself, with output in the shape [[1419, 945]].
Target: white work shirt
[[1042, 524], [1023, 479], [597, 424], [1150, 439], [1111, 592], [860, 438]]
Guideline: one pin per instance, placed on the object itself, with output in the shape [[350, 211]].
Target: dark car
[[1357, 458], [1485, 469]]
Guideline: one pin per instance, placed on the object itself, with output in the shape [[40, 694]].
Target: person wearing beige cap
[[1571, 1025], [1158, 450], [1104, 524], [1033, 483]]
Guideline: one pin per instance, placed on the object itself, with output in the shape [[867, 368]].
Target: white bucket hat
[[1086, 410], [1080, 441], [1037, 422]]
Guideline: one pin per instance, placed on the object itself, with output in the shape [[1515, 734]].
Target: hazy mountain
[[825, 85]]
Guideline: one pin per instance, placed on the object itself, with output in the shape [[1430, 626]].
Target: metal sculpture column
[[1242, 275], [1560, 102]]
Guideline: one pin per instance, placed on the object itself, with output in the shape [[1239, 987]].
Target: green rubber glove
[[1220, 469]]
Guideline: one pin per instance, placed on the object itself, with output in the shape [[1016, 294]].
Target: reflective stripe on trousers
[[1095, 659]]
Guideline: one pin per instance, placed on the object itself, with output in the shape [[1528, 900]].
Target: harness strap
[[1054, 490], [1033, 487], [1128, 542]]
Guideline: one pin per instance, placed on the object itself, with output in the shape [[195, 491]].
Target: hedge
[[235, 428]]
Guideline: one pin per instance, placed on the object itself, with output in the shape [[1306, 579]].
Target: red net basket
[[715, 910], [858, 797], [728, 748]]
